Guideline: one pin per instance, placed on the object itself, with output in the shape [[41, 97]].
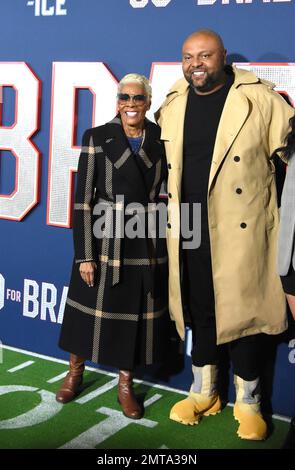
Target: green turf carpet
[[30, 418]]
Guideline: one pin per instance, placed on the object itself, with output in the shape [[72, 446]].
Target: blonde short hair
[[136, 78]]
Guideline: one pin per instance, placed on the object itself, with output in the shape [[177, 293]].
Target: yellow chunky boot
[[202, 400], [247, 410]]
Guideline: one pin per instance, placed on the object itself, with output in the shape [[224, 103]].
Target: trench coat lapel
[[172, 130], [119, 153], [234, 114], [151, 148]]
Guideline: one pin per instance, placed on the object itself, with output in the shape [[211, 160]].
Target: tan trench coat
[[255, 120]]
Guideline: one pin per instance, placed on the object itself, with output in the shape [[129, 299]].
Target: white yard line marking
[[92, 369], [54, 359], [99, 391], [111, 374], [113, 423], [57, 377], [152, 400], [21, 366]]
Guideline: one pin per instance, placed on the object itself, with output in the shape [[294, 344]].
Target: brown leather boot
[[73, 380], [126, 397]]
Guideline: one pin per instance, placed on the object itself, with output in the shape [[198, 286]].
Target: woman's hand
[[87, 270]]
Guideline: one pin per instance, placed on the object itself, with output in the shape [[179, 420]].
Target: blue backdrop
[[127, 36]]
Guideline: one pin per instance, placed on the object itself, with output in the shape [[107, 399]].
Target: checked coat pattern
[[123, 320]]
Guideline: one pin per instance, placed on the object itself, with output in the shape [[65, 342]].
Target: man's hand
[[87, 270]]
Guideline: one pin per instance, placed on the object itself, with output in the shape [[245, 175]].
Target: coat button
[[169, 225], [237, 159], [169, 166], [239, 191], [243, 225], [170, 195]]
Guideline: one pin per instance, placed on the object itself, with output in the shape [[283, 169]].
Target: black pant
[[199, 296], [244, 352]]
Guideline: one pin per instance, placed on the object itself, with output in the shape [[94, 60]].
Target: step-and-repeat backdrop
[[59, 64]]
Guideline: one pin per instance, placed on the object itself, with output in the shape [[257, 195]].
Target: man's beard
[[211, 81]]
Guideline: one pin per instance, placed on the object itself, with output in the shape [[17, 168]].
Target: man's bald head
[[206, 33], [203, 61]]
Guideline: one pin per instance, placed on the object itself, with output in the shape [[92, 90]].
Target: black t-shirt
[[202, 117]]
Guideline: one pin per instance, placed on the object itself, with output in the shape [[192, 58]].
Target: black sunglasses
[[135, 98]]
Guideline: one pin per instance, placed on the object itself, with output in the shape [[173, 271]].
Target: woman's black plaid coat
[[123, 320]]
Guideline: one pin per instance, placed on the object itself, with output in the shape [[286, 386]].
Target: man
[[220, 126]]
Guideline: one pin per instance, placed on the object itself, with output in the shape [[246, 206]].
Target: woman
[[286, 248], [116, 311]]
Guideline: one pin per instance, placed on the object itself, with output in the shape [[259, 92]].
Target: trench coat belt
[[116, 232]]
